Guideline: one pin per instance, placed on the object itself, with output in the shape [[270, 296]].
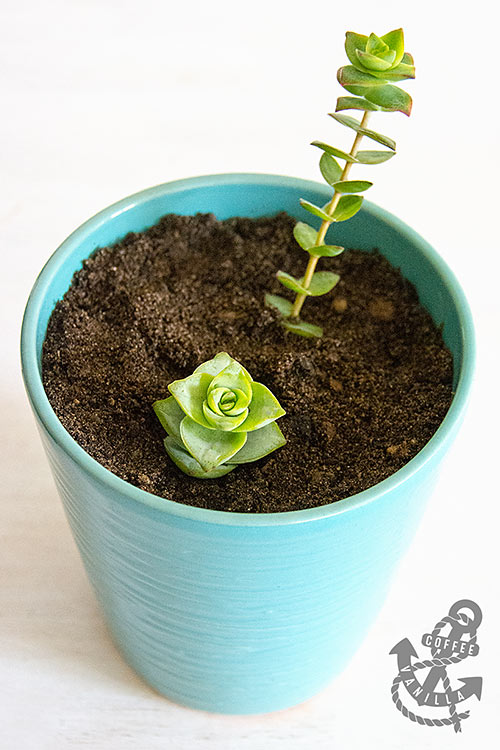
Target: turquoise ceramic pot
[[234, 612]]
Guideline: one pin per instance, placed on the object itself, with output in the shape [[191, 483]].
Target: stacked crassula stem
[[376, 62]]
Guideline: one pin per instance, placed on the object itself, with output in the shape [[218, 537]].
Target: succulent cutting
[[376, 63], [217, 418]]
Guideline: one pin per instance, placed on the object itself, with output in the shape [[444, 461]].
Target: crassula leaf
[[325, 251], [373, 62], [354, 42], [373, 157], [305, 235], [358, 91], [190, 394], [322, 282], [330, 168], [391, 98], [211, 412], [260, 443], [210, 447], [170, 415], [315, 210], [355, 102], [375, 45], [282, 305], [354, 124], [395, 41], [404, 70], [264, 408], [347, 206], [301, 328], [290, 282], [333, 151], [348, 75], [189, 465], [400, 73], [217, 364], [352, 186]]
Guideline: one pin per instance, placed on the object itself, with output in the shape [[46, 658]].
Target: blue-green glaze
[[235, 612]]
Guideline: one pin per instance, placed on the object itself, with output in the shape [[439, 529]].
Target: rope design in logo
[[452, 651], [465, 624]]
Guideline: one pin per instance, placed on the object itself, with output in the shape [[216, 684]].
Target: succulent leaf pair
[[217, 418], [376, 62]]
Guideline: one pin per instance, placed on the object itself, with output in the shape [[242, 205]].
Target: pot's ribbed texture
[[239, 612], [228, 617]]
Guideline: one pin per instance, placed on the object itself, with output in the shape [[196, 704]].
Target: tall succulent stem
[[375, 64], [311, 266]]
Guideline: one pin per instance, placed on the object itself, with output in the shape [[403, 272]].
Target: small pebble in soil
[[339, 304]]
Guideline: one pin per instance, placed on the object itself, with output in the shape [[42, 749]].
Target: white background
[[101, 99]]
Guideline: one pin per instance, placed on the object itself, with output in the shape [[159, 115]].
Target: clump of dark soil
[[360, 402]]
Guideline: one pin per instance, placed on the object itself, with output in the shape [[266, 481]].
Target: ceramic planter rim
[[58, 433]]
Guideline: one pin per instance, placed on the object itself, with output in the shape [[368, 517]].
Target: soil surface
[[360, 402]]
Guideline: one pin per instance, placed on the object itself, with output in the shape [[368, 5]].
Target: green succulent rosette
[[217, 418], [376, 63]]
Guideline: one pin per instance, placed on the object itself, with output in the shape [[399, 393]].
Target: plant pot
[[235, 612]]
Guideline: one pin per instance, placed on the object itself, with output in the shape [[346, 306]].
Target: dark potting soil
[[360, 402]]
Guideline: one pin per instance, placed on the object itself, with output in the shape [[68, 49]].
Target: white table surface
[[103, 98]]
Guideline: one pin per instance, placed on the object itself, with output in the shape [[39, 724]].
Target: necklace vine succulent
[[376, 63]]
